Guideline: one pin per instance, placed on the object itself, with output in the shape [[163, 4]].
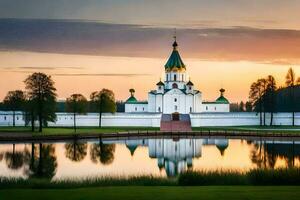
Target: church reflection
[[176, 155]]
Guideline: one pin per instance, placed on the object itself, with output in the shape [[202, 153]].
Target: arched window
[[175, 77], [175, 100], [190, 109], [175, 108], [159, 87], [158, 109], [182, 77], [135, 108], [206, 108], [167, 77], [174, 85], [190, 88], [215, 108]]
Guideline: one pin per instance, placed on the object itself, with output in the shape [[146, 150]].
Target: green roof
[[222, 99], [175, 59], [131, 99]]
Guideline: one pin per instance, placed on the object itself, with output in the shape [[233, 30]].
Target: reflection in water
[[266, 153], [44, 163], [14, 159], [76, 151], [160, 157], [175, 156], [103, 153]]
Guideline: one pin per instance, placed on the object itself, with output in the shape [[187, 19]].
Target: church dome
[[174, 62], [222, 99], [131, 99]]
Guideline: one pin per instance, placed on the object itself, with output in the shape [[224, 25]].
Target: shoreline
[[33, 137]]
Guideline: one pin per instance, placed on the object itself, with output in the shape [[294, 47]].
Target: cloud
[[97, 74], [38, 68], [98, 38]]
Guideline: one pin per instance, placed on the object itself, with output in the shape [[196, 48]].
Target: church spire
[[175, 42], [174, 62]]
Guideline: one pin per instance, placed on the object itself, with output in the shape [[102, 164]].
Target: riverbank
[[160, 192], [16, 134]]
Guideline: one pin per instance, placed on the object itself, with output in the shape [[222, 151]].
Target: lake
[[158, 156]]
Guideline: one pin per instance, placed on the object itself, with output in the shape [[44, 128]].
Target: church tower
[[175, 70]]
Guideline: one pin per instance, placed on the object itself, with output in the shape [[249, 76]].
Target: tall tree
[[77, 104], [255, 96], [41, 91], [103, 101], [270, 96], [14, 101], [290, 81], [248, 106], [241, 106]]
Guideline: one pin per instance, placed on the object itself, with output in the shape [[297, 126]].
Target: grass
[[184, 187], [283, 176], [70, 130], [160, 192]]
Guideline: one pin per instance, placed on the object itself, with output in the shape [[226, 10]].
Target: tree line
[[38, 102], [263, 96]]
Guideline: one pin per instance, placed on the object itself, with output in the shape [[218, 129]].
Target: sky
[[94, 44]]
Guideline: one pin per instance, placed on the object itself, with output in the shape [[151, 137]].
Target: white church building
[[176, 94]]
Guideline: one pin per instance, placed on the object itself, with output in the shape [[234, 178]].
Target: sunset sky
[[94, 44]]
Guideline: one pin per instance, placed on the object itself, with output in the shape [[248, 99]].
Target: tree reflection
[[43, 163], [76, 151], [265, 155], [103, 153], [14, 159], [1, 156]]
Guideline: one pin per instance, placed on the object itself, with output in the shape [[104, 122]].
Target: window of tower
[[175, 77], [182, 77], [174, 85], [175, 100]]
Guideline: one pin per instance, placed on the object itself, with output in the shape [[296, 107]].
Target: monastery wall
[[240, 119], [153, 119]]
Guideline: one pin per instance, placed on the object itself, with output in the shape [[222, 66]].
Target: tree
[[248, 106], [14, 101], [290, 81], [77, 104], [103, 101], [270, 96], [255, 96], [41, 92], [242, 107]]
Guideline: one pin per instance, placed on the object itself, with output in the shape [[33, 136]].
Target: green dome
[[175, 60], [222, 99], [131, 99]]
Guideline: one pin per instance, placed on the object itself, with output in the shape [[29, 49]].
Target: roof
[[222, 99], [131, 99], [175, 60], [190, 83], [160, 83]]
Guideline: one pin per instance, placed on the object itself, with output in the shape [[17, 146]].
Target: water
[[143, 156]]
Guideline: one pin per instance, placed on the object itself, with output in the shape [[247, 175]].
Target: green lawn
[[151, 193], [80, 130]]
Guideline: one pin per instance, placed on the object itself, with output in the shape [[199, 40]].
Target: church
[[176, 94]]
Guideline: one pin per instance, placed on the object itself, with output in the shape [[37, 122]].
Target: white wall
[[153, 119], [215, 107], [240, 119], [136, 107]]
